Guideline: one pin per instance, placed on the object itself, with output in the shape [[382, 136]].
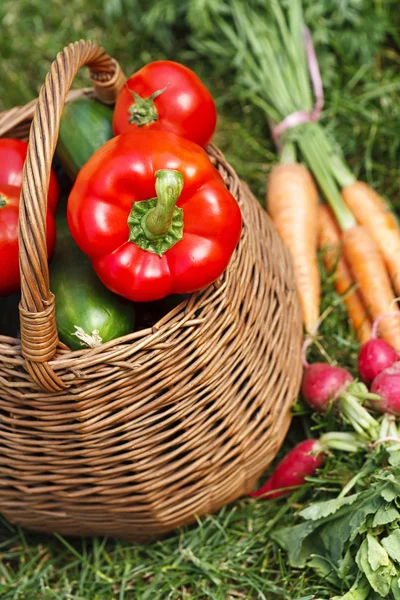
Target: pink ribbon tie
[[304, 116]]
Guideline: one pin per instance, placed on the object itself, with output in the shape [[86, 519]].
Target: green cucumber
[[84, 305], [86, 124]]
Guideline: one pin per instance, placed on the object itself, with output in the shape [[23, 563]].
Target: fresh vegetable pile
[[352, 540], [316, 204], [147, 215]]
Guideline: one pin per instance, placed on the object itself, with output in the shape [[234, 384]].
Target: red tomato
[[125, 181], [166, 96], [12, 158]]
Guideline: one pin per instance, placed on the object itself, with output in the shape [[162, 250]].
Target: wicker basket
[[136, 437]]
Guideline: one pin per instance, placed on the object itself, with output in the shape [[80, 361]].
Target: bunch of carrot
[[318, 204], [364, 254]]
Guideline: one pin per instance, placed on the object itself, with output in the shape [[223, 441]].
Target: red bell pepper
[[153, 215], [12, 158]]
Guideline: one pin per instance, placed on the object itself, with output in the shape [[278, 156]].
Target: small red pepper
[[153, 215], [12, 158]]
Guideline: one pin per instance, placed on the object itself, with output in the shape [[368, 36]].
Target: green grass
[[228, 555]]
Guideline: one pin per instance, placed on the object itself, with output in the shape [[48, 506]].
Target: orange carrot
[[370, 273], [292, 202], [330, 243], [371, 211]]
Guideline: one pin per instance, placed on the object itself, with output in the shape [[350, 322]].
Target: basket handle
[[39, 337]]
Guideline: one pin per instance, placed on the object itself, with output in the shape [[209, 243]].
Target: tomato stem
[[3, 201], [143, 111]]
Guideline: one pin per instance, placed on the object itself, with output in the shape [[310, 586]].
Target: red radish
[[387, 386], [302, 461], [323, 383], [375, 356]]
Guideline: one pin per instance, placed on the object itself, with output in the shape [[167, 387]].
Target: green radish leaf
[[359, 591], [320, 510], [384, 515], [325, 569], [368, 507], [293, 539], [381, 579], [396, 588], [394, 456], [377, 555], [353, 595], [338, 531], [334, 536], [346, 565], [389, 493], [391, 543], [392, 478]]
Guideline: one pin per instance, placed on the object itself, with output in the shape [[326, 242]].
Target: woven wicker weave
[[138, 436]]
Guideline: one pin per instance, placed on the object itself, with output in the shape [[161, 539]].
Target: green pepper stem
[[157, 221]]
